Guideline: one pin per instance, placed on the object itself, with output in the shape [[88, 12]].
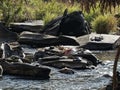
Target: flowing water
[[93, 79]]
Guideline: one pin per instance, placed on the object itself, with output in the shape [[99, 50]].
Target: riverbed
[[92, 79]]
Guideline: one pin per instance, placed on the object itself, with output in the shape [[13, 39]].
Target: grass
[[104, 24], [34, 9], [17, 11]]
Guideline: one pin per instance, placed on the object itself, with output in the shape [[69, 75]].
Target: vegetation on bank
[[104, 24], [21, 10]]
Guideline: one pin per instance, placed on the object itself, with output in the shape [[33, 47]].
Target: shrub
[[50, 10], [117, 16], [118, 22], [92, 14], [104, 24]]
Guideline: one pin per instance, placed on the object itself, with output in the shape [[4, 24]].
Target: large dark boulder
[[25, 70], [6, 34], [72, 24], [42, 40]]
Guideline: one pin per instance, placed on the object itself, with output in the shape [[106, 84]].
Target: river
[[92, 79]]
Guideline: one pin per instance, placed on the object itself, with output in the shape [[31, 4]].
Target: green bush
[[16, 11], [92, 14], [50, 10], [118, 22], [104, 24], [117, 16]]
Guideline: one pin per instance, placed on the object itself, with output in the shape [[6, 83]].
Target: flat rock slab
[[100, 41], [36, 39], [42, 40], [33, 26], [70, 63], [26, 70]]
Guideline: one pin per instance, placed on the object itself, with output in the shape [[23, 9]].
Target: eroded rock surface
[[61, 57], [43, 40], [24, 69], [33, 26]]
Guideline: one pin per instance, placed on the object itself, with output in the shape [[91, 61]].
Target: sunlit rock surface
[[42, 40], [100, 42], [33, 26]]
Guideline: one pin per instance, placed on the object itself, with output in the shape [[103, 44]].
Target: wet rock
[[91, 58], [61, 63], [48, 53], [110, 85], [26, 70], [6, 34], [42, 40], [100, 42], [33, 26], [39, 54], [80, 54], [68, 40], [37, 39], [9, 51], [1, 52], [66, 70], [1, 71], [14, 58], [67, 56]]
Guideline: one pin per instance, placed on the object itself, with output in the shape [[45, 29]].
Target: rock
[[33, 26], [100, 42], [72, 24], [117, 43], [66, 70], [68, 40], [9, 51], [1, 71], [6, 50], [14, 58], [48, 53], [91, 58], [6, 35], [37, 39], [25, 70], [43, 40], [39, 54], [1, 52], [110, 85], [61, 63], [67, 56]]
